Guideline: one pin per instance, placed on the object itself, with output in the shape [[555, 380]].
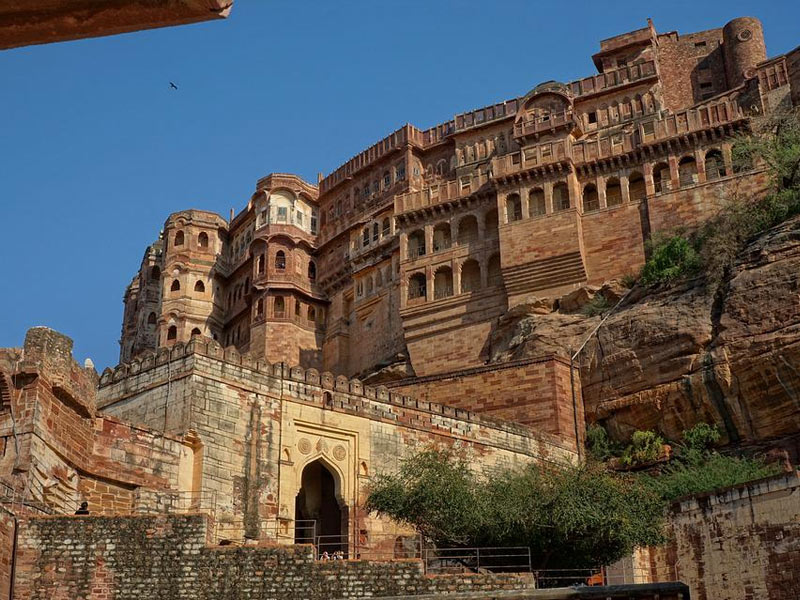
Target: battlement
[[324, 389], [407, 134], [48, 353]]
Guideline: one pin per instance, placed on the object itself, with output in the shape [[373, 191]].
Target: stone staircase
[[544, 274]]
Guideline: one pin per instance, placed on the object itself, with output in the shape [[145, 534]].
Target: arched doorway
[[317, 502]]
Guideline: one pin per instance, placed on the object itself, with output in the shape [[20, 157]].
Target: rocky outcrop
[[668, 359]]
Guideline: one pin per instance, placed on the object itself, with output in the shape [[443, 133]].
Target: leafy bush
[[697, 469], [704, 473], [670, 258], [598, 444], [570, 516], [596, 306], [701, 437], [645, 447]]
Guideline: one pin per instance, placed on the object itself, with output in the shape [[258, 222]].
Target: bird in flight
[[173, 86]]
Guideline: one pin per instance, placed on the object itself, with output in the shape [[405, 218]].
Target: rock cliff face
[[668, 359]]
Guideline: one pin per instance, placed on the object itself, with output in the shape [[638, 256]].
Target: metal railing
[[477, 560], [601, 576], [440, 291]]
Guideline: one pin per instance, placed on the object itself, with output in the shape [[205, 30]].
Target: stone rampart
[[168, 558], [130, 380], [738, 543]]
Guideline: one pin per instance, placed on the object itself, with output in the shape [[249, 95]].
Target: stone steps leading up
[[545, 273]]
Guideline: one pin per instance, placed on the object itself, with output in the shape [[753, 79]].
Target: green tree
[[571, 516]]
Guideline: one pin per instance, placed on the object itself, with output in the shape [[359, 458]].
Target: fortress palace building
[[273, 362]]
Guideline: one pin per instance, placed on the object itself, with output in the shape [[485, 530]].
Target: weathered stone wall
[[7, 535], [57, 452], [255, 426], [167, 558], [536, 392], [741, 543], [690, 205]]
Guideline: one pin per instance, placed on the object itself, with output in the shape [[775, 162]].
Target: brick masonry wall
[[6, 550], [689, 206], [536, 393], [793, 68], [167, 558], [741, 543], [680, 59], [453, 333], [58, 452], [613, 242]]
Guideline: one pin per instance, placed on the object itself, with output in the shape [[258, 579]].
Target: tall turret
[[743, 48]]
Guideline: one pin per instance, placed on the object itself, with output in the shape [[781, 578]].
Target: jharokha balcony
[[648, 131], [544, 123], [439, 193]]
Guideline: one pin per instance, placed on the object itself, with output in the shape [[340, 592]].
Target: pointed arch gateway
[[321, 515]]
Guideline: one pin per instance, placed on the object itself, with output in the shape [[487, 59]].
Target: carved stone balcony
[[546, 123], [439, 193]]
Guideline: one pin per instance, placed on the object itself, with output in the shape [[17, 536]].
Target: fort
[[274, 361]]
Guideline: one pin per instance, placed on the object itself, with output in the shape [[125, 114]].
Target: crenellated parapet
[[324, 389]]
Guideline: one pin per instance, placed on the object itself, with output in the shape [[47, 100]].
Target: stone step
[[545, 273]]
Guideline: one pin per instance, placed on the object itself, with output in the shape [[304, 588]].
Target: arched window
[[179, 238], [443, 283], [467, 230], [416, 244], [312, 314], [560, 196], [536, 205], [202, 240], [687, 171], [260, 264], [260, 307], [199, 287], [312, 270], [151, 318], [636, 187], [279, 307], [172, 332], [490, 222], [369, 286], [493, 270], [591, 201], [155, 274], [417, 286], [280, 260], [378, 278], [715, 165], [513, 208], [661, 178], [613, 192], [196, 331], [176, 286], [375, 231], [441, 237], [386, 227], [470, 276]]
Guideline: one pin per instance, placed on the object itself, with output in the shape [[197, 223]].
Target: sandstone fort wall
[[168, 558]]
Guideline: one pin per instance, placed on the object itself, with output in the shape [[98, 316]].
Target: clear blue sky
[[97, 150]]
